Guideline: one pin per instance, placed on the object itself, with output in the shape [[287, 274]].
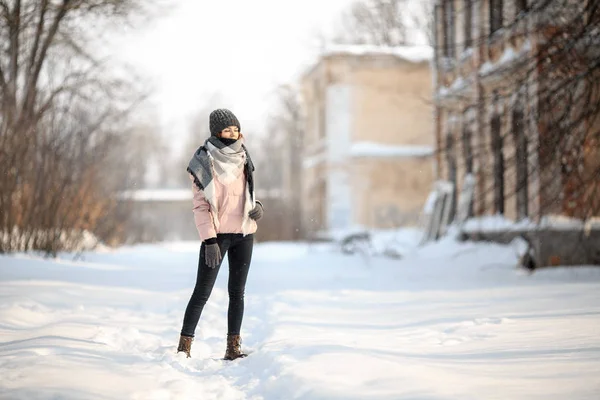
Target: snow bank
[[394, 243], [496, 223]]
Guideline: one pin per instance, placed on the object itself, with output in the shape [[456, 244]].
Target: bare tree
[[279, 166], [422, 20], [62, 111], [387, 22], [198, 132], [142, 146]]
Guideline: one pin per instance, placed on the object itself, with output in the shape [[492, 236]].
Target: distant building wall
[[391, 192], [393, 105], [376, 101], [166, 215]]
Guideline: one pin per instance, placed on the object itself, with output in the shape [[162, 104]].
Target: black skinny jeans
[[239, 252]]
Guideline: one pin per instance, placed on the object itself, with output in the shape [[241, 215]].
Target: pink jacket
[[230, 203]]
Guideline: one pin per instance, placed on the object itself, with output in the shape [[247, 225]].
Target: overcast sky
[[239, 48]]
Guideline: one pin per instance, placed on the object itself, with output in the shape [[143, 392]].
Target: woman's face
[[231, 132]]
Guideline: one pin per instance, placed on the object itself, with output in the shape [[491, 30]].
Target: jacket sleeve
[[202, 215]]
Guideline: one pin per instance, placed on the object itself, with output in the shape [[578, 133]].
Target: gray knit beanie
[[221, 119]]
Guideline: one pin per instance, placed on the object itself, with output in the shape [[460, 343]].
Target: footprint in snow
[[467, 331]]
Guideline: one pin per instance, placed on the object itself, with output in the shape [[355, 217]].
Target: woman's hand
[[257, 212], [212, 254]]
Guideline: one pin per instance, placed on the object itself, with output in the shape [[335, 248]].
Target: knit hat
[[221, 119]]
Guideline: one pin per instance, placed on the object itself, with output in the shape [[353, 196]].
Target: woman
[[225, 213]]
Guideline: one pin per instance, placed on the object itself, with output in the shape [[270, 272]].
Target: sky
[[238, 48]]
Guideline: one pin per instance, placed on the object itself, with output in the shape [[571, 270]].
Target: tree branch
[[4, 8], [34, 77], [2, 80], [38, 34]]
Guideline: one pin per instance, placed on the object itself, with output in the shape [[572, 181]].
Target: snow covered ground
[[450, 321]]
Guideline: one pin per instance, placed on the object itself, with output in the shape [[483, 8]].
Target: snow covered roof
[[158, 195], [415, 54], [372, 149]]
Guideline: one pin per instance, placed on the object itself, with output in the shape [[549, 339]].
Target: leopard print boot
[[234, 348], [185, 345]]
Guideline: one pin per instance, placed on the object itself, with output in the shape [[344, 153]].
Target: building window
[[452, 173], [321, 217], [520, 142], [317, 111], [468, 23], [521, 5], [496, 15], [321, 121], [448, 25], [497, 146], [467, 142]]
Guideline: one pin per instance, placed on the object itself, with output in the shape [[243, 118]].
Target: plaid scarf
[[215, 160]]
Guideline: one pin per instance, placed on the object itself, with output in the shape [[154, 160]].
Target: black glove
[[257, 212], [212, 254]]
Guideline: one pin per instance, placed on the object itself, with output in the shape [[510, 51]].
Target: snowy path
[[445, 323]]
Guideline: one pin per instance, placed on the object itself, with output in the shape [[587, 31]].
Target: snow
[[158, 195], [448, 321], [467, 53], [430, 202], [496, 223], [508, 56], [414, 54], [395, 242], [372, 149], [458, 85], [373, 242], [313, 161]]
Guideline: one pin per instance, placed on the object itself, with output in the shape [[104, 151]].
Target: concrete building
[[368, 145]]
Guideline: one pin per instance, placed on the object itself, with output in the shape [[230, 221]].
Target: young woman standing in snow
[[225, 212]]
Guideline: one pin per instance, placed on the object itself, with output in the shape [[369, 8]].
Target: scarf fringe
[[196, 180]]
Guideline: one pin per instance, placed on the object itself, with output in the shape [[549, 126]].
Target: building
[[368, 143], [490, 118], [505, 111], [158, 215]]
